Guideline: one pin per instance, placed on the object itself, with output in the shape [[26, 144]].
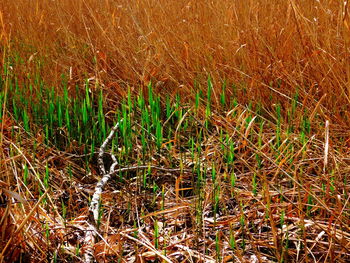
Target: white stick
[[91, 232], [94, 207]]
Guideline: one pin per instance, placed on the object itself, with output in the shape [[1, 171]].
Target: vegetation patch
[[233, 149]]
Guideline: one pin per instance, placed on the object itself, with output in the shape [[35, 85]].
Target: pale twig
[[92, 230], [90, 237], [103, 148]]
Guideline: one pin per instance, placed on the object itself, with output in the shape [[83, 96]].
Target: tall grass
[[236, 95], [267, 49], [233, 154]]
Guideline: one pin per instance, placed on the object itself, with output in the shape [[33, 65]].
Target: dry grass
[[189, 229], [289, 201], [282, 44]]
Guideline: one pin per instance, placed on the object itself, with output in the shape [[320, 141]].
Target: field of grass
[[174, 131]]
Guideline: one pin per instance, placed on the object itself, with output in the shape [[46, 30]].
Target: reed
[[232, 140]]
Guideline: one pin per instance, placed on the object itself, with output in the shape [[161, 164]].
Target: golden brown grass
[[188, 228], [268, 49], [282, 44]]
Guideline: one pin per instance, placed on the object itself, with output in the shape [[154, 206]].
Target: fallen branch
[[92, 231]]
